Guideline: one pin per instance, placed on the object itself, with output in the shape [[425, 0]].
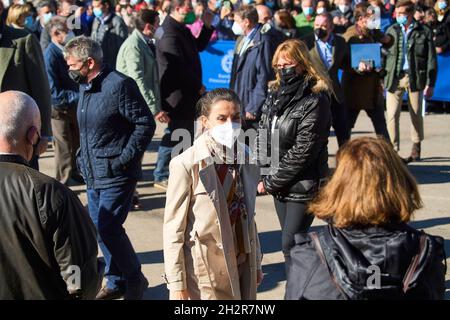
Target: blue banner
[[442, 88], [217, 61]]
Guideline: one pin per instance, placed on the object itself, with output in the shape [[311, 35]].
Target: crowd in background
[[102, 72], [295, 18]]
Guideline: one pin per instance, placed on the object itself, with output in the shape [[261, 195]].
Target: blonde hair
[[371, 186], [17, 14], [297, 51]]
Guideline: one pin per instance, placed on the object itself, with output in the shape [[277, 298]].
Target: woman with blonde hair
[[296, 120], [367, 250], [20, 17], [211, 245]]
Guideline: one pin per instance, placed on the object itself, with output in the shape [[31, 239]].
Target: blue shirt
[[326, 51], [406, 34], [247, 40]]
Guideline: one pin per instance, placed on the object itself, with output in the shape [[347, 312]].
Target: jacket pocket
[[104, 158], [304, 187], [201, 265]]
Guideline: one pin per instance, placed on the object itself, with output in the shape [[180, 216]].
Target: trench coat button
[[220, 246], [221, 273], [217, 221], [252, 242]]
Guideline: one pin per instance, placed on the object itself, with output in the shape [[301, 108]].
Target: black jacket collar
[[96, 83], [13, 158]]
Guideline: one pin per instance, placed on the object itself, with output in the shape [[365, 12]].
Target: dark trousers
[[340, 122], [377, 117], [66, 139], [109, 209], [293, 218], [161, 171]]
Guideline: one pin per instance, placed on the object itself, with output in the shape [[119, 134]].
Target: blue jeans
[[161, 171], [108, 209]]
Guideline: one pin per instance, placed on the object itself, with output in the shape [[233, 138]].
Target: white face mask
[[237, 29], [320, 10], [226, 134], [344, 8]]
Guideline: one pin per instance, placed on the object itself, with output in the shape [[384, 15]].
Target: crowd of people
[[94, 77]]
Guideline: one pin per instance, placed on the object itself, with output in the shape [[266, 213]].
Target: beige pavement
[[433, 173]]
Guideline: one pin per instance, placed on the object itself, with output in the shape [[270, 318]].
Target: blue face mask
[[402, 20], [247, 2], [98, 12], [218, 4], [270, 4], [442, 5], [29, 22], [308, 11], [46, 17]]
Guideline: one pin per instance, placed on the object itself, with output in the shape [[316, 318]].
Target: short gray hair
[[58, 23], [83, 48], [44, 3], [18, 112]]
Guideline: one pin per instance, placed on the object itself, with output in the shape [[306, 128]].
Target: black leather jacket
[[410, 264], [303, 120]]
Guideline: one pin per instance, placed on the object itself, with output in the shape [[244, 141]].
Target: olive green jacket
[[136, 60], [421, 56], [22, 68]]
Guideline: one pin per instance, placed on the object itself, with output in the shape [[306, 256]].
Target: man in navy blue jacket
[[64, 103], [252, 62], [116, 126]]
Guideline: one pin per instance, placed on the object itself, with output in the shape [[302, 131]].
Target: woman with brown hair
[[296, 121], [211, 245], [367, 250]]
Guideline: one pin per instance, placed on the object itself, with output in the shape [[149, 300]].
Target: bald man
[[48, 245], [264, 13]]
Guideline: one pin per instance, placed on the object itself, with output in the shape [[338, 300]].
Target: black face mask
[[37, 141], [287, 74], [77, 77], [320, 33]]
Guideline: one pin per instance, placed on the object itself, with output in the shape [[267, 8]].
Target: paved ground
[[433, 173]]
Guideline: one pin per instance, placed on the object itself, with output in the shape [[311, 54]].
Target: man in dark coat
[[48, 247], [329, 51], [252, 62], [180, 73], [116, 126], [64, 104], [109, 30], [22, 68]]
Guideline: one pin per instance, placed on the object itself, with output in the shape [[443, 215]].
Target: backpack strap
[[321, 254], [414, 263]]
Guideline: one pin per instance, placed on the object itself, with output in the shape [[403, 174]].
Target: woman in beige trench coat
[[211, 245]]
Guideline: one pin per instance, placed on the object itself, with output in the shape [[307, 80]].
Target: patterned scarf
[[229, 176]]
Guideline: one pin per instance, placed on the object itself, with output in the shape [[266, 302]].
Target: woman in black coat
[[367, 251], [296, 121]]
